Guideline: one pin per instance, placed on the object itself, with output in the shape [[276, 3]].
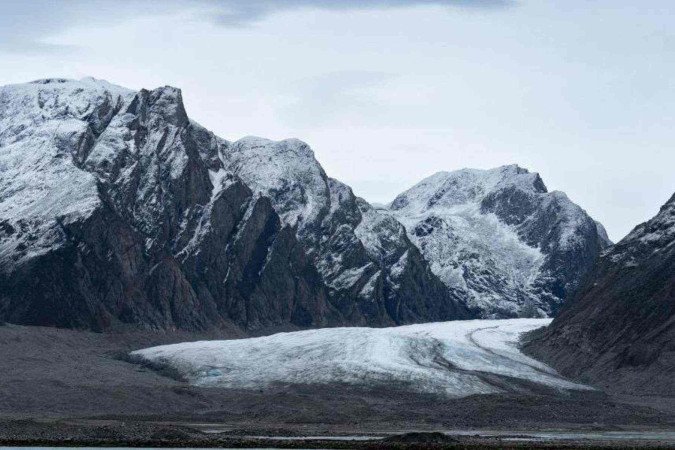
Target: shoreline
[[184, 437]]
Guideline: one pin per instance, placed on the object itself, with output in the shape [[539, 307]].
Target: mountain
[[112, 214], [499, 236], [620, 329], [374, 273], [118, 210], [494, 240]]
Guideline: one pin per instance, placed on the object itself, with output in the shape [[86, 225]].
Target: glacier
[[458, 358]]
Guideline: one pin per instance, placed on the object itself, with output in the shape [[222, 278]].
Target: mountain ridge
[[117, 209], [142, 252], [361, 254]]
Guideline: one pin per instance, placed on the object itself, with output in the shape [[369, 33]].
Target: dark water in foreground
[[664, 437], [534, 436]]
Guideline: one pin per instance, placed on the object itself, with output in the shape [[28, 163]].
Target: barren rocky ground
[[63, 386]]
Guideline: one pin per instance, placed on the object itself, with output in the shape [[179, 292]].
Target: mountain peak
[[284, 146], [83, 83], [286, 171], [466, 185], [475, 225], [166, 102]]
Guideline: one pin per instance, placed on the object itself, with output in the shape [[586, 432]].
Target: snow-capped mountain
[[499, 236], [375, 274], [116, 208], [112, 213], [620, 328]]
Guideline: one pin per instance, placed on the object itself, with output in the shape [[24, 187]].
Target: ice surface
[[445, 357]]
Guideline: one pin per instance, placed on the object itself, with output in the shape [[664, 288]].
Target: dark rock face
[[122, 219], [375, 274], [117, 210], [570, 240], [620, 329]]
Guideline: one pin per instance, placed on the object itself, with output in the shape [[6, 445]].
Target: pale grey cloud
[[24, 24], [328, 97], [239, 13]]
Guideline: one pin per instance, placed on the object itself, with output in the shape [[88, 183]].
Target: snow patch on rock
[[44, 127]]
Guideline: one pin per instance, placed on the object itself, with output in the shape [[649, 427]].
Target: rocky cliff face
[[620, 329], [112, 213], [374, 273], [500, 237]]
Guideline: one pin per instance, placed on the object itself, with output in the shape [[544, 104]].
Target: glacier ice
[[455, 358]]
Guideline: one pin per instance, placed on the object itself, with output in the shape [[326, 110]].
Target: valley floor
[[63, 386]]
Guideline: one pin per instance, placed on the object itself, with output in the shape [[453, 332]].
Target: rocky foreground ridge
[[620, 328]]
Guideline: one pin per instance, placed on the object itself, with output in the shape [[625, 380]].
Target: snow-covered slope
[[43, 129], [499, 236], [458, 358], [374, 272]]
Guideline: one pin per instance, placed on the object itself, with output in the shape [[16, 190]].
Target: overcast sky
[[388, 92]]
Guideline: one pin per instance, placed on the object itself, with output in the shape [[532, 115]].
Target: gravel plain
[[65, 387]]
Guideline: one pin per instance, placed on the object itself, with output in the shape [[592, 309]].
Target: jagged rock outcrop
[[500, 237], [619, 331], [111, 213]]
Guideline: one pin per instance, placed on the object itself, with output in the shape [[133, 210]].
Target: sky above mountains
[[388, 92]]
